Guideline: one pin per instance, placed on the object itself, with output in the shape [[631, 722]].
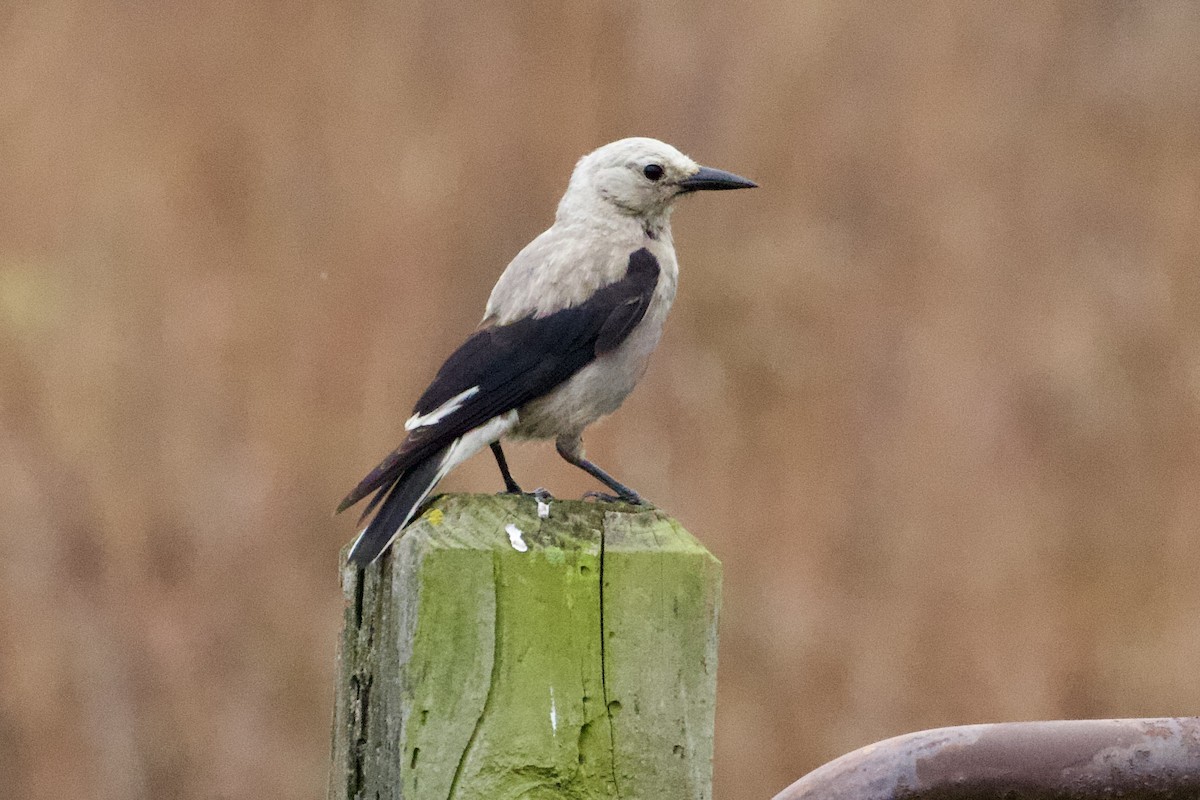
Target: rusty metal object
[[1137, 759]]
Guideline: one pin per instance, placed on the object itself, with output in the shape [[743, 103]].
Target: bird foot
[[603, 497], [541, 494]]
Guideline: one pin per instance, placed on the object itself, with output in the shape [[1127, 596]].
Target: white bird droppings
[[514, 538], [543, 508], [553, 712]]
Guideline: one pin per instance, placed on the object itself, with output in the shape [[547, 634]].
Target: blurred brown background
[[931, 393]]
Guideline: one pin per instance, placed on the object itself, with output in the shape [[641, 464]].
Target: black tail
[[402, 502]]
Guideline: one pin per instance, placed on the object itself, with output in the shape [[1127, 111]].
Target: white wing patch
[[441, 412]]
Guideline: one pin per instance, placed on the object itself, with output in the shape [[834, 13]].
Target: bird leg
[[510, 485], [571, 449]]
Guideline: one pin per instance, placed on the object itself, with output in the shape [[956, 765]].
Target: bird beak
[[709, 178]]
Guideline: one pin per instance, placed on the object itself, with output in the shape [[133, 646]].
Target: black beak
[[709, 178]]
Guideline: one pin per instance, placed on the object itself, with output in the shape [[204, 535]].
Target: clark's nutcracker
[[567, 333]]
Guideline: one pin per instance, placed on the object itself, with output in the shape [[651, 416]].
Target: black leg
[[572, 451], [510, 485]]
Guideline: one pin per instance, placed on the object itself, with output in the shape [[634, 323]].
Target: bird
[[566, 334]]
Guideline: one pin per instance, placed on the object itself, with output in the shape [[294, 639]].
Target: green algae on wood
[[581, 667]]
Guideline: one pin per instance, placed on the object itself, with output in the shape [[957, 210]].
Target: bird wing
[[504, 366]]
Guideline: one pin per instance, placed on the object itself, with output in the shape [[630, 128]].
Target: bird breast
[[600, 387]]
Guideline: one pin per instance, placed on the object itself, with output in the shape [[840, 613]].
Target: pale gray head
[[638, 177]]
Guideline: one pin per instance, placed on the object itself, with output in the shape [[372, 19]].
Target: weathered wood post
[[497, 654]]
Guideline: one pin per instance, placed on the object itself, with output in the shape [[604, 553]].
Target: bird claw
[[603, 497], [540, 494]]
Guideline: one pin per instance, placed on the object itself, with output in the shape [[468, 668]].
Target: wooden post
[[496, 654]]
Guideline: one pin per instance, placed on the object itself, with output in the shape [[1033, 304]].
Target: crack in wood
[[360, 578], [612, 740], [492, 681], [360, 689]]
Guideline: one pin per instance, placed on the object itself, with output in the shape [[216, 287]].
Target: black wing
[[515, 363]]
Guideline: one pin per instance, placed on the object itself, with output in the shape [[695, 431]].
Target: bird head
[[640, 177]]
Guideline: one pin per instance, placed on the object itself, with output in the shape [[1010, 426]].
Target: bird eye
[[653, 171]]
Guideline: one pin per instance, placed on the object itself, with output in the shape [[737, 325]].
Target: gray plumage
[[567, 333]]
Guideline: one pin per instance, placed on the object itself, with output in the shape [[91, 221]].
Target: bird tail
[[401, 502]]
